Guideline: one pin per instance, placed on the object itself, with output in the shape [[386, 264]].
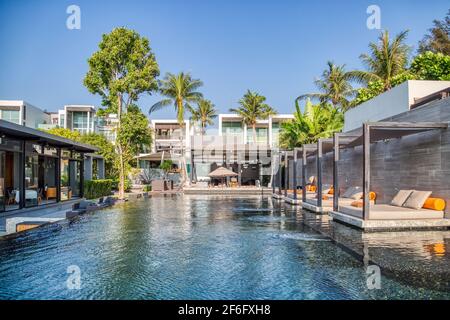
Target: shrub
[[115, 185], [97, 188], [147, 188]]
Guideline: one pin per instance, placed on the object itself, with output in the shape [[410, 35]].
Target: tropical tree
[[105, 147], [334, 86], [438, 39], [121, 70], [179, 90], [317, 121], [386, 60], [205, 113], [253, 108]]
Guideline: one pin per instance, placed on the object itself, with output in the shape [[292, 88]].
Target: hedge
[[97, 188], [115, 185]]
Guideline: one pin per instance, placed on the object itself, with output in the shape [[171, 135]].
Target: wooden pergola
[[372, 132]]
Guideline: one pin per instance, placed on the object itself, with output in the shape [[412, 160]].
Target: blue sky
[[274, 47]]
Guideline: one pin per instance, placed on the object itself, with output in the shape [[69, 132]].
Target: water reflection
[[216, 247]]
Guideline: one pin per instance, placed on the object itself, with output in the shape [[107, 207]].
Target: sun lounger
[[388, 212]]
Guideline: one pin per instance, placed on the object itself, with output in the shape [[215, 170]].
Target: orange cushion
[[372, 195], [357, 204], [434, 204], [331, 191], [325, 197]]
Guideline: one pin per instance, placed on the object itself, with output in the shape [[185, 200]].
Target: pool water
[[192, 247]]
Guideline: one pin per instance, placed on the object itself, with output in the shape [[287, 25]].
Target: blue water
[[188, 247]]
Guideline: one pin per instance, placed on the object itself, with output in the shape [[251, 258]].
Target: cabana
[[316, 199], [369, 216], [291, 195], [277, 177]]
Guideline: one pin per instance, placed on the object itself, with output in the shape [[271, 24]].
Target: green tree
[[386, 60], [65, 133], [431, 66], [205, 113], [134, 134], [317, 121], [179, 90], [106, 148], [334, 86], [438, 39], [121, 70], [253, 108]]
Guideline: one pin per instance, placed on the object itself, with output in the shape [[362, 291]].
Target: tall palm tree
[[205, 113], [317, 121], [334, 86], [253, 108], [385, 60], [180, 90]]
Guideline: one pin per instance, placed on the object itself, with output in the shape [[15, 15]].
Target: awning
[[157, 156], [380, 131], [21, 132]]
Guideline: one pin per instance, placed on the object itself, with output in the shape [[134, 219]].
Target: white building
[[23, 113], [79, 118], [399, 99], [267, 131]]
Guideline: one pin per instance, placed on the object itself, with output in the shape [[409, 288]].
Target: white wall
[[393, 102]]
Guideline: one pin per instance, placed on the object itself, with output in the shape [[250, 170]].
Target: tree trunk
[[254, 133], [120, 151], [181, 122]]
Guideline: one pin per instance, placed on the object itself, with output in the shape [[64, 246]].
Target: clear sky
[[274, 47]]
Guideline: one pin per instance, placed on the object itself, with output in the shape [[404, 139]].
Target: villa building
[[37, 168], [22, 113], [232, 147]]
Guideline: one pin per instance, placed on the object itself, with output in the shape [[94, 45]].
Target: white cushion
[[417, 199], [401, 197], [357, 195]]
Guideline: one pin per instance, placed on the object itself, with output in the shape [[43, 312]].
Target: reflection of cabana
[[278, 177], [292, 197], [381, 216]]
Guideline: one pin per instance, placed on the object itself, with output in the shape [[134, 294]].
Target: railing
[[168, 137]]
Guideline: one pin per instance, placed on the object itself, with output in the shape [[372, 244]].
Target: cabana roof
[[380, 131]]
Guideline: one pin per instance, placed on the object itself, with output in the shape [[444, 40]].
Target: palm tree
[[386, 59], [317, 121], [179, 90], [204, 113], [252, 108], [334, 86]]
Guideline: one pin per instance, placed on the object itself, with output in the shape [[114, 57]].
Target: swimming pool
[[204, 247]]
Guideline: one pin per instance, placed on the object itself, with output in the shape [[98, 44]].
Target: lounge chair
[[389, 212]]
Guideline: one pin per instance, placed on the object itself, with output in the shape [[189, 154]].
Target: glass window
[[33, 194], [50, 181], [232, 128], [10, 144], [261, 135], [49, 151], [34, 148], [11, 116], [61, 120], [66, 153], [66, 194], [80, 121], [75, 177]]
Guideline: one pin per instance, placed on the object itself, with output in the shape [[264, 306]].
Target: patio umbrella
[[222, 173]]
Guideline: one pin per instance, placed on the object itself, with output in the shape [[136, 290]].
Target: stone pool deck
[[50, 214]]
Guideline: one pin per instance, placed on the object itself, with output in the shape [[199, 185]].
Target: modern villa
[[38, 169]]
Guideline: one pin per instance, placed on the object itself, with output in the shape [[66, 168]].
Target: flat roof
[[26, 133]]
